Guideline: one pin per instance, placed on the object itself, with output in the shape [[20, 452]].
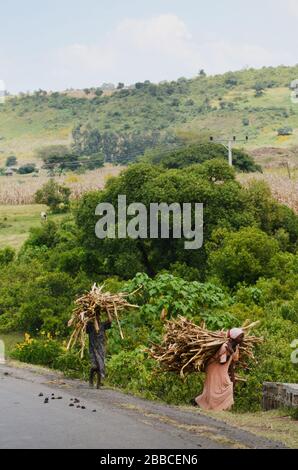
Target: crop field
[[18, 189], [284, 189]]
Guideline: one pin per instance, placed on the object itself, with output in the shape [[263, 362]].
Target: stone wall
[[277, 395]]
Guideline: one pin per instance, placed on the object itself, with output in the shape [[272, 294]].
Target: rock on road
[[120, 422]]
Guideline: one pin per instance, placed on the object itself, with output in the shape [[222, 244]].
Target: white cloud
[[158, 48], [165, 34], [293, 7]]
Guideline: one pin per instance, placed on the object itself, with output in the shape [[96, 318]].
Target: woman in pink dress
[[218, 393]]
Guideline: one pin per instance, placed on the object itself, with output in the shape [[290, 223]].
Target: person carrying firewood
[[218, 393], [97, 351]]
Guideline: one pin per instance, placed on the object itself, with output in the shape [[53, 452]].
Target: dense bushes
[[227, 206], [199, 153], [35, 351], [242, 256], [129, 367], [6, 256]]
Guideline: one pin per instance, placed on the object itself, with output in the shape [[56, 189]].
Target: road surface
[[120, 421]]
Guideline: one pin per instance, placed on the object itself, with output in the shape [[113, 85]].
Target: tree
[[225, 205], [7, 255], [199, 153], [55, 196], [94, 161], [86, 140], [11, 161], [98, 92], [58, 157], [27, 169], [216, 170], [259, 89], [231, 81], [284, 131], [242, 256]]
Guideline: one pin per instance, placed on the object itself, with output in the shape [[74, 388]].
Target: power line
[[228, 144]]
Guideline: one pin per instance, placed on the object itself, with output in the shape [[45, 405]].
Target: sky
[[60, 44]]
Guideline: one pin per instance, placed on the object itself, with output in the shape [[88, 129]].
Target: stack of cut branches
[[187, 347], [94, 307]]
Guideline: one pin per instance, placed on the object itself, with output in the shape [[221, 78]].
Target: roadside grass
[[16, 221], [276, 424]]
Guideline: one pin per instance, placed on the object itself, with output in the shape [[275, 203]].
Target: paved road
[[120, 421]]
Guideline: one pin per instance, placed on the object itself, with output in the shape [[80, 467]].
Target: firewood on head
[[187, 347], [96, 307]]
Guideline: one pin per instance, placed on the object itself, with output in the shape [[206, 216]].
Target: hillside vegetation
[[121, 125]]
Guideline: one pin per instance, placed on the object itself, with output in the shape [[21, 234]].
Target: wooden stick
[[117, 318]]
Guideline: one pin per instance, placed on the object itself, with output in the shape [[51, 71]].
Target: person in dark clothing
[[97, 351]]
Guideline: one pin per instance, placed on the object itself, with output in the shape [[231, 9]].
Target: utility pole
[[228, 144]]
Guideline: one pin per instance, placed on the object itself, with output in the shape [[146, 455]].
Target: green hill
[[250, 102]]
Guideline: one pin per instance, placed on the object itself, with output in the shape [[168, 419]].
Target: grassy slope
[[16, 221], [28, 123]]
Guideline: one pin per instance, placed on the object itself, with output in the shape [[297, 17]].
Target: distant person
[[218, 393], [97, 350]]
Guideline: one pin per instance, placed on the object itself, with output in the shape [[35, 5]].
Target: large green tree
[[214, 185]]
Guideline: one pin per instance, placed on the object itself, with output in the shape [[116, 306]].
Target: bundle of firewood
[[94, 307], [187, 347]]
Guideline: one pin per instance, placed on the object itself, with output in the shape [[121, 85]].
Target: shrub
[[44, 236], [134, 372], [7, 255], [38, 351], [27, 169], [294, 413], [285, 131], [11, 161], [273, 362], [71, 364], [243, 256], [55, 196]]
